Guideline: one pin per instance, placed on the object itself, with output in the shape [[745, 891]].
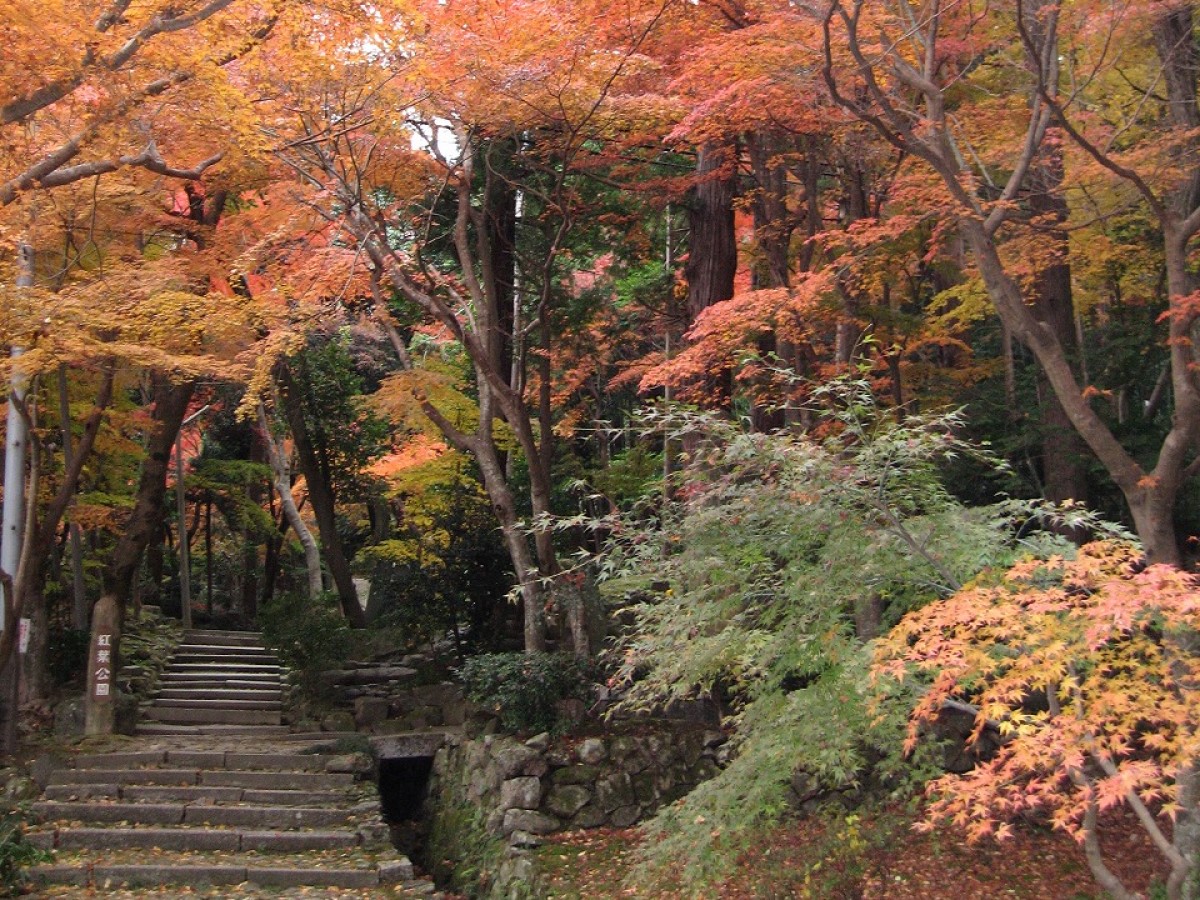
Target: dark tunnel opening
[[403, 785]]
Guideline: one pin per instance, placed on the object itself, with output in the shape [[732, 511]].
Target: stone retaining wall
[[510, 793]]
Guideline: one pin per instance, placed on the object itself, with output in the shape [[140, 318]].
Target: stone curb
[[193, 839], [103, 876]]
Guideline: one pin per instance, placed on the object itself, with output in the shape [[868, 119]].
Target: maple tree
[[90, 90], [1085, 668], [489, 136], [901, 85]]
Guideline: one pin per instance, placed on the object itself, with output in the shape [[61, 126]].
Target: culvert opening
[[403, 787]]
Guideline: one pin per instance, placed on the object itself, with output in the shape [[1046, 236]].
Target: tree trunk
[[517, 544], [320, 494], [1150, 496], [1064, 461], [283, 487], [712, 241], [79, 605], [149, 508], [35, 661], [154, 567], [774, 223]]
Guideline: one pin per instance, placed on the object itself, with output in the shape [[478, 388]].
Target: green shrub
[[525, 688], [310, 635], [761, 581], [16, 854]]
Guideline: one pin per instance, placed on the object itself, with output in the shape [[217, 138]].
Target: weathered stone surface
[[494, 823], [437, 694], [396, 871], [117, 760], [141, 813], [483, 781], [575, 775], [349, 763], [523, 840], [19, 788], [591, 816], [376, 834], [281, 876], [162, 838], [168, 874], [592, 752], [518, 872], [539, 742], [369, 711], [279, 781], [565, 800], [82, 791], [691, 745], [338, 722], [299, 762], [635, 761], [528, 820], [624, 816], [265, 816], [520, 793], [614, 791], [456, 712], [197, 759], [512, 758], [295, 841], [69, 718], [645, 788]]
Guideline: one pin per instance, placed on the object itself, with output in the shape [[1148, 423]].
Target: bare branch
[[47, 94]]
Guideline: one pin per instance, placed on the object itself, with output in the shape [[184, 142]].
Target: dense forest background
[[766, 322]]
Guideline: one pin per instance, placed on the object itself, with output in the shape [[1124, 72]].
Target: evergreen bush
[[525, 688]]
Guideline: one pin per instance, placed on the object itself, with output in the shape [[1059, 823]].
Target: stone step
[[231, 660], [276, 781], [177, 716], [188, 766], [106, 876], [146, 793], [197, 702], [250, 821], [222, 668], [204, 683], [191, 693], [225, 638], [256, 817], [125, 776], [222, 649], [199, 839], [157, 729]]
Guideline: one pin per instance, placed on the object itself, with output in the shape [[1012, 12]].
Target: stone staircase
[[218, 682], [268, 821]]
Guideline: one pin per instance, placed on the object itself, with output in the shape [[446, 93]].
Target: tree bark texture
[[712, 241], [281, 469], [321, 496], [145, 522]]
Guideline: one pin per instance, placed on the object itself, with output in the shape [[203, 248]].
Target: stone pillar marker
[[102, 668]]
